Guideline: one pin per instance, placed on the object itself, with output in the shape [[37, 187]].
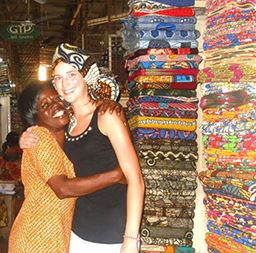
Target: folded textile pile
[[162, 59], [229, 126], [5, 87]]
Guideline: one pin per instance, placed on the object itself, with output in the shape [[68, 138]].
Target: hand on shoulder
[[109, 106]]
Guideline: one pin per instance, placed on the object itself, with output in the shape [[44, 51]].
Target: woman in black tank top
[[107, 220]]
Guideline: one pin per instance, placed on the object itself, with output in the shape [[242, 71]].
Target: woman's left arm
[[117, 129]]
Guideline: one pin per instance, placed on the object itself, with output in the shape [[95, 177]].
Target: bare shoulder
[[109, 121]]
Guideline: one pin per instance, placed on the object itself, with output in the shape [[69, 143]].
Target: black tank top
[[99, 217]]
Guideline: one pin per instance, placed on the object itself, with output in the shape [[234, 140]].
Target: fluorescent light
[[42, 73]]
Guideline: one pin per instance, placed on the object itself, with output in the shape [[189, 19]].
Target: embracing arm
[[116, 128], [75, 187], [50, 159]]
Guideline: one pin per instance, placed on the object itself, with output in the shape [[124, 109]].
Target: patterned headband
[[100, 85]]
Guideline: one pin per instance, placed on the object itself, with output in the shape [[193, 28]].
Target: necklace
[[70, 138]]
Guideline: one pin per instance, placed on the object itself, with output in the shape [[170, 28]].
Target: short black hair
[[27, 102]]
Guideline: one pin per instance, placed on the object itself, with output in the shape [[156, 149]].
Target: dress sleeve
[[48, 155]]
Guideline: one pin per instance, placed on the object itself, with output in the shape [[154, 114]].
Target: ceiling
[[86, 23]]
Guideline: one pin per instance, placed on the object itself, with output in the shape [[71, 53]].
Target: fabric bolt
[[163, 52], [226, 29], [162, 123], [232, 187], [230, 166], [231, 16], [228, 72], [166, 233], [228, 174], [169, 34], [247, 111], [162, 72], [160, 19], [163, 113], [170, 193], [166, 86], [163, 103], [229, 55], [174, 167], [215, 152], [168, 173], [161, 92], [146, 5], [239, 222], [169, 113], [168, 60], [175, 3], [223, 87], [164, 100], [160, 241], [167, 65], [165, 79], [229, 40], [237, 235], [152, 52], [232, 27], [168, 222], [238, 6], [214, 5], [159, 206], [175, 146], [241, 219], [172, 212], [168, 155], [227, 99], [163, 43], [226, 245], [231, 142], [173, 12], [231, 160], [133, 45], [161, 25], [163, 184], [241, 206], [140, 133], [234, 126]]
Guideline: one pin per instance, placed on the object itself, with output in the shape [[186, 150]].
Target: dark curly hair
[[27, 102]]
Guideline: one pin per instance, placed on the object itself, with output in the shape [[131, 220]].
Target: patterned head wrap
[[100, 86]]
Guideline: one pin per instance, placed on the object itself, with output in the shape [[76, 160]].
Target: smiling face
[[51, 111], [69, 83]]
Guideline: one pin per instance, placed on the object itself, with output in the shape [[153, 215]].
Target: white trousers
[[78, 245]]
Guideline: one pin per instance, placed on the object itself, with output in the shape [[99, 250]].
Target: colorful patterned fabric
[[140, 133], [226, 245], [162, 123], [42, 225]]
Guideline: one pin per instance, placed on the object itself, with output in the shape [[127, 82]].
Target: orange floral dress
[[43, 224]]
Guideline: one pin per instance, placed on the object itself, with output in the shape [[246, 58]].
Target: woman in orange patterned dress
[[43, 224]]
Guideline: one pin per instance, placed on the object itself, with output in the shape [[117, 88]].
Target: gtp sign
[[20, 32]]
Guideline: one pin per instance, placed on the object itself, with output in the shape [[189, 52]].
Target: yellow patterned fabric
[[43, 224], [162, 123]]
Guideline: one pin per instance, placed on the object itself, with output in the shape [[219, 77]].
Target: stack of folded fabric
[[5, 87], [162, 60], [229, 126]]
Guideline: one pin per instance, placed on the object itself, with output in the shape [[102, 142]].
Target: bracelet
[[131, 237]]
